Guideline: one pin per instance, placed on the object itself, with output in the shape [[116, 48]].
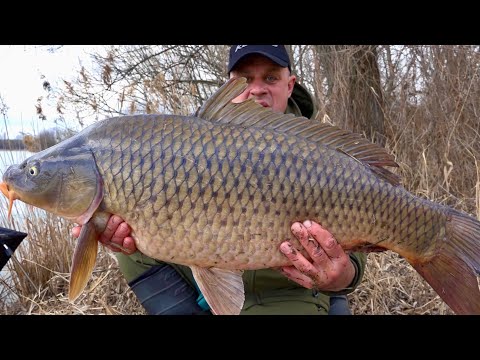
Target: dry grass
[[392, 287], [37, 278]]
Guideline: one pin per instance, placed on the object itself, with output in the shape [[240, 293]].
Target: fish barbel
[[218, 191]]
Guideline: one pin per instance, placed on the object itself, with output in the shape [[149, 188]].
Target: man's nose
[[258, 88]]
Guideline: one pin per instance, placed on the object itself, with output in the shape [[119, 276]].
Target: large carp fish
[[218, 192]]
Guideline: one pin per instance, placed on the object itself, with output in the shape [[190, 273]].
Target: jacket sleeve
[[359, 261]]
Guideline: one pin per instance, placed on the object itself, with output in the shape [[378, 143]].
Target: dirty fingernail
[[286, 248]]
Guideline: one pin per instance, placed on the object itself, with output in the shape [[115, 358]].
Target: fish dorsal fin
[[220, 108], [223, 289]]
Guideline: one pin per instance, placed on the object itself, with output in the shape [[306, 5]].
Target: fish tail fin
[[454, 272]]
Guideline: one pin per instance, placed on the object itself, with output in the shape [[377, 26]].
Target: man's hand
[[329, 267], [116, 233]]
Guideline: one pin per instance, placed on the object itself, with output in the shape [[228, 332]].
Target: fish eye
[[33, 170]]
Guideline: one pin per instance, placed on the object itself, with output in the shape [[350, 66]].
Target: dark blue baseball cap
[[276, 53]]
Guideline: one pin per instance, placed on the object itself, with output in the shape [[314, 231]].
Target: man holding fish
[[315, 285]]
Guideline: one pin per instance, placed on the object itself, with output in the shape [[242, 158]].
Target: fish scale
[[218, 191]]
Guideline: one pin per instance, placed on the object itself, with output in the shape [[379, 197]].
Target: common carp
[[218, 191]]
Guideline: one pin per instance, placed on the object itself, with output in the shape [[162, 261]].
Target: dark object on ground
[[9, 241]]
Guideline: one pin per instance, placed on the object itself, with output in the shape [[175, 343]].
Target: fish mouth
[[10, 194]]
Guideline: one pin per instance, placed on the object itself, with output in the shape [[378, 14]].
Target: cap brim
[[275, 59]]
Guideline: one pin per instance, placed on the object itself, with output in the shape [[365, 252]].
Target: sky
[[21, 70]]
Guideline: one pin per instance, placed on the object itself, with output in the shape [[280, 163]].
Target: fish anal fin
[[223, 289], [84, 259]]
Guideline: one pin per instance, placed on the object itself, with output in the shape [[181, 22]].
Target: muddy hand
[[330, 268], [115, 237]]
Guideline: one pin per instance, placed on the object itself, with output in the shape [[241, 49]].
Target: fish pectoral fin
[[84, 259], [223, 289]]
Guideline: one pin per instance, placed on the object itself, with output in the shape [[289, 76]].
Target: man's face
[[268, 83]]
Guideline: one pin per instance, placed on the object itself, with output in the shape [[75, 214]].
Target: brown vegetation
[[43, 140]]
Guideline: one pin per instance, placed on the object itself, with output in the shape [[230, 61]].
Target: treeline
[[35, 143], [9, 144], [46, 139], [43, 140]]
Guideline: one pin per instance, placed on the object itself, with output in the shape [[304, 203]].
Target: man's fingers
[[295, 275], [76, 231], [119, 243], [121, 233], [311, 245], [328, 267], [115, 236], [326, 240], [111, 231], [129, 245], [301, 263]]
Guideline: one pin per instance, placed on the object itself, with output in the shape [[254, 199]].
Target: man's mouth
[[262, 102]]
